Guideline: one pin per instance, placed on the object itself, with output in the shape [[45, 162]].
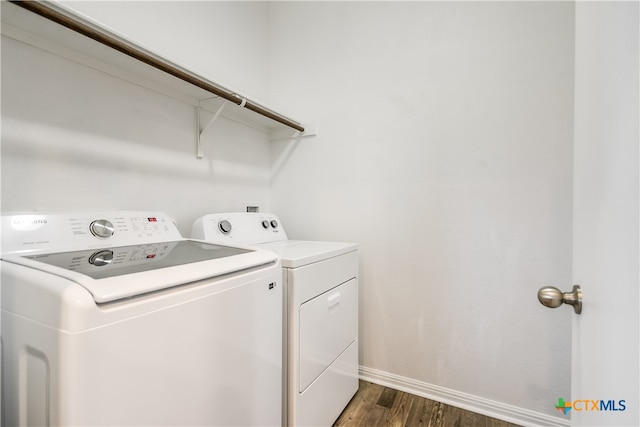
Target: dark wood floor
[[375, 405]]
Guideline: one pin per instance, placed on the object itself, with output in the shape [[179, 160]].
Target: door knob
[[554, 297]]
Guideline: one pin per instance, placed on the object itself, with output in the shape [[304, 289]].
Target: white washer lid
[[296, 253], [141, 269]]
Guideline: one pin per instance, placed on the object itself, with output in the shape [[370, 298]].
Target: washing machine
[[114, 319], [321, 320]]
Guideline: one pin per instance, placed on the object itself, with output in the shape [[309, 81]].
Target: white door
[[606, 195]]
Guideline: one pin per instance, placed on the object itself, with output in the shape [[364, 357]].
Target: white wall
[[445, 151], [226, 41], [606, 256], [76, 138]]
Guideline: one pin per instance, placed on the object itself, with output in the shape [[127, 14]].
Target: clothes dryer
[[321, 320], [112, 318]]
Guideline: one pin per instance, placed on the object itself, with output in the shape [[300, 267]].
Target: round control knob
[[101, 258], [224, 226], [102, 228], [265, 224], [274, 223]]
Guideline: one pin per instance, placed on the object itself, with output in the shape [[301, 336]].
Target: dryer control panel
[[36, 232], [242, 228]]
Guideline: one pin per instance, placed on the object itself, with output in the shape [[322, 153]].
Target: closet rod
[[41, 8]]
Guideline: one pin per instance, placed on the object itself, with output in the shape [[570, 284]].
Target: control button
[[265, 224], [101, 258], [102, 228], [274, 223], [224, 226]]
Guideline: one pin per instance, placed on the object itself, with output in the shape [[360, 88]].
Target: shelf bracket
[[203, 129]]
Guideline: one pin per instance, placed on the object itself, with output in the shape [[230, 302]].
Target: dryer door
[[328, 325]]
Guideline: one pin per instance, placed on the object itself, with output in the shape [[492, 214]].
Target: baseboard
[[480, 405]]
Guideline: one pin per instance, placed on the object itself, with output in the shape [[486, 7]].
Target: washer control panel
[[64, 231], [243, 228]]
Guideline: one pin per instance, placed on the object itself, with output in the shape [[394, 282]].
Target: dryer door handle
[[333, 300]]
